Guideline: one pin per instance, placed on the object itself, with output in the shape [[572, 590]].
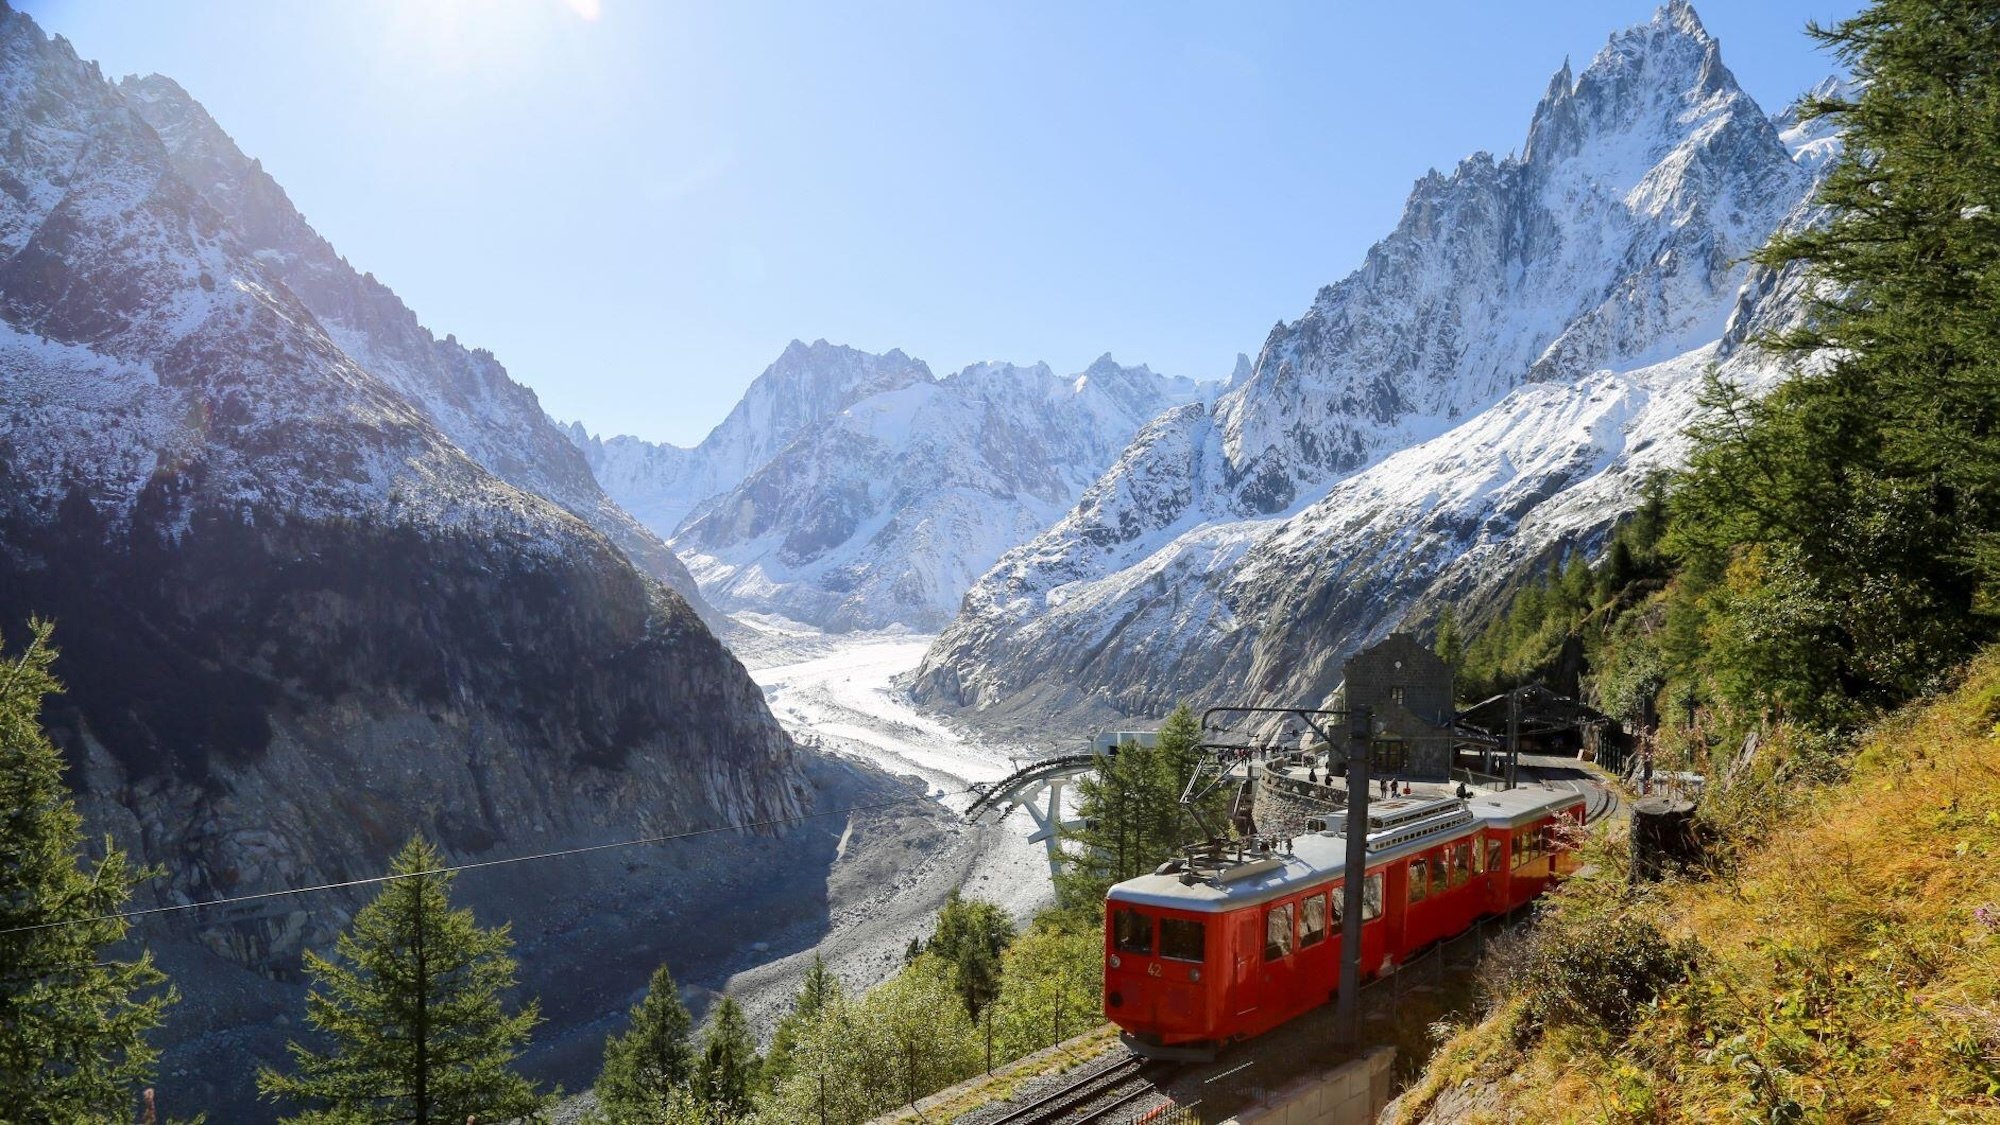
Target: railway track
[[1094, 1097]]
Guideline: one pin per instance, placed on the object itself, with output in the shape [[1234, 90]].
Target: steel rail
[[1071, 1097]]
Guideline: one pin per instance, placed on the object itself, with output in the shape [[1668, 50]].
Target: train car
[[1218, 947]]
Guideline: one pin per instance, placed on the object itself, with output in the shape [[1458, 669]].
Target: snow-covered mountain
[[298, 622], [464, 392], [662, 484], [1490, 385], [853, 490], [885, 512]]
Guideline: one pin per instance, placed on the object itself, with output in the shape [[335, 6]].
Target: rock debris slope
[[299, 621], [1489, 387]]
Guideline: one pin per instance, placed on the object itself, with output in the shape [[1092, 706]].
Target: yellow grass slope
[[1847, 967]]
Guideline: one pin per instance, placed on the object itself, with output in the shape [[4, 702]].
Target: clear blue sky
[[637, 204]]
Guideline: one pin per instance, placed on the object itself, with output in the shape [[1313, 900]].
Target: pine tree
[[1852, 517], [729, 1060], [1132, 816], [413, 1006], [818, 989], [650, 1068], [73, 1022], [1449, 643], [970, 937]]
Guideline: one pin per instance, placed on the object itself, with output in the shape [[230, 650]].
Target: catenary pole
[[1347, 1012]]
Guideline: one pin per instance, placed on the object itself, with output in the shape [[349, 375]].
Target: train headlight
[[1115, 962], [1194, 975]]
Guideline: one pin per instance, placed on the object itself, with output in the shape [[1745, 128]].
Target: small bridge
[[1037, 786]]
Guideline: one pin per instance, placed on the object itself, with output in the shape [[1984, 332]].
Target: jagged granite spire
[[1479, 366]]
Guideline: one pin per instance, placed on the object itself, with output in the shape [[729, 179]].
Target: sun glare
[[454, 38]]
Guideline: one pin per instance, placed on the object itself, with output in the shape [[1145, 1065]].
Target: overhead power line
[[146, 912]]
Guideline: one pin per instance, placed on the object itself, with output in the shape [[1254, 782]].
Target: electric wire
[[452, 869]]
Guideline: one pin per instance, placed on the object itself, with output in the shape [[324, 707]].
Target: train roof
[[1397, 826]]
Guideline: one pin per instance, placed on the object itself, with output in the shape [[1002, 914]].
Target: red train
[[1205, 953]]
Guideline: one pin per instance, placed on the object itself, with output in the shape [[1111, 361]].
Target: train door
[[1246, 945]]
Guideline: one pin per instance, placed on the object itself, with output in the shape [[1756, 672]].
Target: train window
[[1461, 864], [1371, 898], [1419, 887], [1132, 931], [1337, 900], [1478, 847], [1278, 938], [1312, 920], [1493, 848], [1438, 865], [1183, 939]]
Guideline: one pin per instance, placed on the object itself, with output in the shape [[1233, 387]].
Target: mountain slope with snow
[[464, 392], [885, 512], [1488, 387], [663, 484], [298, 624]]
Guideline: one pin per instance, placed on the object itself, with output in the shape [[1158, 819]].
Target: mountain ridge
[[465, 392], [884, 490], [299, 623], [1318, 503]]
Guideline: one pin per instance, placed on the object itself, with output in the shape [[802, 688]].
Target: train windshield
[[1183, 939], [1132, 931]]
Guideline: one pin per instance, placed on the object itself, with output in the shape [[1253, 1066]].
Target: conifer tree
[[729, 1060], [1848, 525], [413, 1004], [970, 937], [1449, 642], [1132, 815], [73, 1022], [650, 1068], [818, 988]]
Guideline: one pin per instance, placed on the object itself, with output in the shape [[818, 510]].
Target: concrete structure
[[1410, 692], [1353, 1094]]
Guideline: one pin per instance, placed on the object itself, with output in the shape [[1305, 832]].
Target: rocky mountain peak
[[1638, 87], [1562, 303]]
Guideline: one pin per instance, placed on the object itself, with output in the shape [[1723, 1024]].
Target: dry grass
[[1849, 966]]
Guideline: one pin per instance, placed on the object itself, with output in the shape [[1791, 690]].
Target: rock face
[[851, 490], [662, 484], [886, 512], [464, 392], [1490, 387], [299, 620]]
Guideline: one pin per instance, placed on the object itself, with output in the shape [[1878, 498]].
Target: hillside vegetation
[[1807, 614], [1845, 966]]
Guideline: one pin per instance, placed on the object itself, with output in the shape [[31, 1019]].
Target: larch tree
[[413, 1006], [970, 936], [1848, 524], [728, 1073], [73, 1020], [1131, 812], [818, 989], [649, 1069]]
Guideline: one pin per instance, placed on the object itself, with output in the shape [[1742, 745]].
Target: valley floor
[[836, 692]]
